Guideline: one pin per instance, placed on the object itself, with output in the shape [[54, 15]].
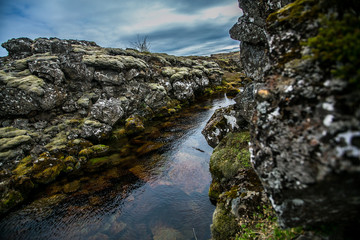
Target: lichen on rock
[[59, 99], [304, 106]]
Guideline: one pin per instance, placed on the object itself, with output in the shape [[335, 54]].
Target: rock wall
[[305, 125], [59, 97]]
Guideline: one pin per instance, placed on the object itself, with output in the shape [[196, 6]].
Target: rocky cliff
[[60, 97], [303, 111]]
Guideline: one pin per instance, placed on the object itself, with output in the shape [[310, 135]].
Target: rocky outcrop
[[305, 123], [250, 31], [59, 97]]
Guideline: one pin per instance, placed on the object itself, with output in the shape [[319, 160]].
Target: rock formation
[[303, 113], [59, 97], [305, 125]]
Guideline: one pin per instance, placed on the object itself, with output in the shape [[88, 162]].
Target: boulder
[[108, 111]]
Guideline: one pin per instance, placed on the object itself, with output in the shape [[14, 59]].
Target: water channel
[[156, 193]]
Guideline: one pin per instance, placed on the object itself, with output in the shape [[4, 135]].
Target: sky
[[177, 27]]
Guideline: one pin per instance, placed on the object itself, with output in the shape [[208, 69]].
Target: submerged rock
[[163, 233]]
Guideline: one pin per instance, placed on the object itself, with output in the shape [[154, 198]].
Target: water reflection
[[159, 191]]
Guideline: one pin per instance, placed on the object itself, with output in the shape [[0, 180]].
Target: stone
[[49, 70], [107, 111], [231, 155], [223, 121], [224, 225], [163, 233], [18, 48]]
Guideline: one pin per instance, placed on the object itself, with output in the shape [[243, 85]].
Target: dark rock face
[[250, 31], [305, 126], [58, 95], [223, 121]]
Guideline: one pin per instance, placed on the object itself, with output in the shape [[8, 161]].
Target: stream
[[159, 191]]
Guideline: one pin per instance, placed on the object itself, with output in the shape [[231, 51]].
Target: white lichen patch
[[328, 120], [216, 132], [345, 145], [231, 120], [252, 156], [262, 107], [289, 89], [298, 202], [328, 106], [274, 114]]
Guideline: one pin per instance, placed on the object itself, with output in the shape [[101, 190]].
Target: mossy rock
[[94, 151], [119, 133], [49, 174], [96, 164], [134, 125], [10, 132], [101, 163], [10, 154], [58, 143], [215, 190], [337, 47], [230, 155], [10, 200], [225, 225], [117, 63], [24, 167], [149, 147], [72, 186], [29, 84], [11, 142], [294, 13]]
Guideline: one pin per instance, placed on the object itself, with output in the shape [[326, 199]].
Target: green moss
[[134, 125], [6, 143], [337, 47], [11, 199], [86, 152], [49, 174], [70, 159], [94, 151], [263, 225], [24, 167], [114, 62], [232, 193], [95, 161], [8, 132], [225, 225], [30, 84], [230, 156], [294, 13], [10, 154], [58, 143], [215, 190]]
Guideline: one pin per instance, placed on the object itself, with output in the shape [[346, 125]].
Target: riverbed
[[159, 191]]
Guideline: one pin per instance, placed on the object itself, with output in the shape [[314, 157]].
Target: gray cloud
[[173, 26]]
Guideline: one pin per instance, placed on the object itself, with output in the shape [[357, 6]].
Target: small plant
[[142, 44], [263, 225], [337, 47]]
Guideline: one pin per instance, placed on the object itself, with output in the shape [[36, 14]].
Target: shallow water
[[160, 194]]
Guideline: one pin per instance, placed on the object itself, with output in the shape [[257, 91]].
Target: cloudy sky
[[178, 27]]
